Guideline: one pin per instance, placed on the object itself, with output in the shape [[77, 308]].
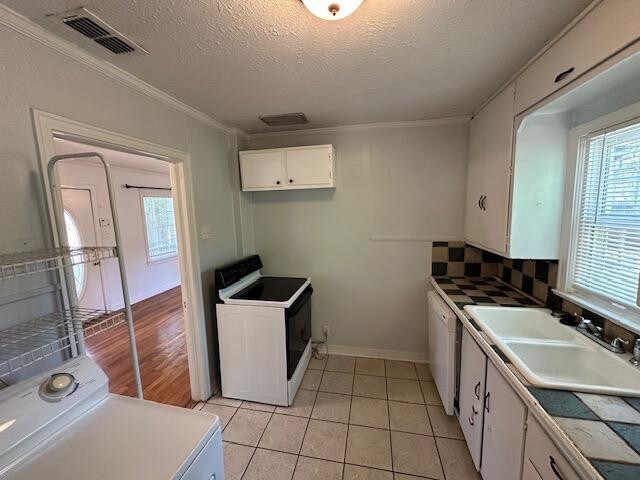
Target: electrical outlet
[[326, 330], [205, 233]]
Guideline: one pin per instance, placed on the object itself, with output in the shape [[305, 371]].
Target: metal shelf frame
[[14, 265], [28, 342]]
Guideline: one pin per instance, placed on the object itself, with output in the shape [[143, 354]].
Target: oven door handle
[[300, 301]]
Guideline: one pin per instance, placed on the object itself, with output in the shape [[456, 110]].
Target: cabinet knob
[[291, 180], [277, 182]]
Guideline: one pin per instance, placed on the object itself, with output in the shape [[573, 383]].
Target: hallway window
[[75, 240], [160, 226]]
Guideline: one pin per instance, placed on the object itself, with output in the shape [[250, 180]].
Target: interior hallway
[[162, 350]]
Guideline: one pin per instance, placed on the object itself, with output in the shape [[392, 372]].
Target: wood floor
[[162, 351]]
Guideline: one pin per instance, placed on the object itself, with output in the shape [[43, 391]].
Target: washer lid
[[122, 438]]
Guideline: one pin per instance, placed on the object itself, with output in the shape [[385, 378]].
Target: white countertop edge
[[578, 461]]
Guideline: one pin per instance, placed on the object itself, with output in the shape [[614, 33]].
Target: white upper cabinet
[[489, 174], [288, 168], [608, 28]]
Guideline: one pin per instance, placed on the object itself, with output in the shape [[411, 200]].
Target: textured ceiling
[[389, 61]]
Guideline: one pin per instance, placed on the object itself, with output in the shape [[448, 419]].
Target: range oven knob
[[58, 386]]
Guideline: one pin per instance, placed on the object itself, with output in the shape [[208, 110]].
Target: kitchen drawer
[[607, 29], [544, 456]]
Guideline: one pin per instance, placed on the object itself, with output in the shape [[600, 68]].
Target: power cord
[[316, 345]]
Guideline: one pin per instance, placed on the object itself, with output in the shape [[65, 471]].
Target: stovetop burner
[[271, 289]]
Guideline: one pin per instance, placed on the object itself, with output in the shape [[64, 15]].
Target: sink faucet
[[636, 353], [586, 324]]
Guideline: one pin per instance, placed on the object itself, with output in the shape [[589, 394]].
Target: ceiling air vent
[[95, 32], [285, 119]]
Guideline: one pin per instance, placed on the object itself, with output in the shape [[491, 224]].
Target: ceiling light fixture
[[332, 9]]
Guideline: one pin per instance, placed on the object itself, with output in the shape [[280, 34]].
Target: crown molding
[[24, 26], [363, 127]]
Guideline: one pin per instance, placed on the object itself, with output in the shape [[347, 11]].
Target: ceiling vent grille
[[95, 32], [285, 119]]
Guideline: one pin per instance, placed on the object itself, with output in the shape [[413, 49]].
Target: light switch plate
[[205, 233]]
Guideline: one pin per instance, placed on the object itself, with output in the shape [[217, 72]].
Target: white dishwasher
[[442, 348]]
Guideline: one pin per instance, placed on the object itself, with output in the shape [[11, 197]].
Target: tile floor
[[352, 419]]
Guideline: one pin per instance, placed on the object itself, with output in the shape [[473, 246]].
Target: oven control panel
[[230, 274]]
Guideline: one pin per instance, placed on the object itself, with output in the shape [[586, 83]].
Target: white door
[[473, 368], [262, 169], [81, 231], [308, 165], [503, 438]]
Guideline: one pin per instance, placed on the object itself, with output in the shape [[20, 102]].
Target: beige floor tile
[[267, 464], [316, 469], [302, 404], [317, 363], [355, 472], [337, 382], [284, 433], [430, 392], [367, 386], [370, 366], [326, 440], [423, 372], [444, 425], [416, 455], [261, 407], [236, 459], [340, 363], [369, 412], [223, 413], [369, 447], [311, 379], [456, 459], [397, 369], [409, 417], [198, 406], [246, 427], [404, 476], [404, 390], [227, 402], [332, 406]]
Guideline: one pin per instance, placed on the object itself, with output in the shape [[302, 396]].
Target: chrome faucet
[[586, 324], [636, 353]]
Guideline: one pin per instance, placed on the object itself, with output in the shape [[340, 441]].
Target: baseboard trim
[[143, 296], [418, 357]]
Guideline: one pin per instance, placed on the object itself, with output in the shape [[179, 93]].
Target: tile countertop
[[600, 433]]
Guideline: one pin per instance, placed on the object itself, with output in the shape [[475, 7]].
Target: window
[[75, 240], [160, 226], [605, 254]]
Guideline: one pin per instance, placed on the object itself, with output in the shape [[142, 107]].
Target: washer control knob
[[58, 386]]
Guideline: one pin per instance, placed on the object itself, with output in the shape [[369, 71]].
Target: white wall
[[145, 279], [33, 75], [392, 183]]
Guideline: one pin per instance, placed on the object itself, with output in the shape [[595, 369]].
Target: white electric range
[[264, 332], [64, 424]]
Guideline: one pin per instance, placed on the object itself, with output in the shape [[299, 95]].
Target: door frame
[[48, 126], [96, 228]]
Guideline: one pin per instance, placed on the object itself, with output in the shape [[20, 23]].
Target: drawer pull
[[487, 397], [561, 76], [471, 421], [477, 390], [554, 468]]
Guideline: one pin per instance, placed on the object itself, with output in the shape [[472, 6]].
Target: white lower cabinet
[[543, 458], [503, 431], [473, 370]]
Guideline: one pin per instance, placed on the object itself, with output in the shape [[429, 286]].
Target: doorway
[[184, 300]]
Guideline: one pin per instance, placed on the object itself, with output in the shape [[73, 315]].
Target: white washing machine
[[64, 424]]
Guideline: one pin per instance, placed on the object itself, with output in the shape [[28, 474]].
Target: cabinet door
[[503, 437], [529, 472], [262, 170], [309, 166], [489, 173], [473, 368], [604, 31], [544, 456]]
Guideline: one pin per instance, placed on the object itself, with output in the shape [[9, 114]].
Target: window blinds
[[607, 261]]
